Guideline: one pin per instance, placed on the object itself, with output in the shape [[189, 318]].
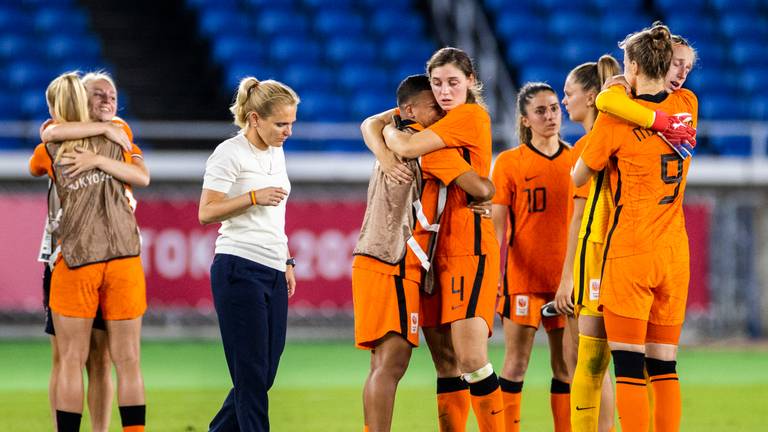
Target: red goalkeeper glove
[[676, 132]]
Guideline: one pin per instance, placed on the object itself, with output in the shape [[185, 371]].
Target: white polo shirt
[[237, 167]]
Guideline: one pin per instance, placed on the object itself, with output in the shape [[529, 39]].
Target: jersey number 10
[[537, 199]]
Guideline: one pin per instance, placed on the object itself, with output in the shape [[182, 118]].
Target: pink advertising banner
[[177, 252]]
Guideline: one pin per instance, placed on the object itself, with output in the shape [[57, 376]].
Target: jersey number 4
[[537, 199], [675, 179]]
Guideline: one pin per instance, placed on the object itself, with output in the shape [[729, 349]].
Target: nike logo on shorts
[[578, 408]]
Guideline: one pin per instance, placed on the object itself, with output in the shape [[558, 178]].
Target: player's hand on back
[[114, 132], [676, 131]]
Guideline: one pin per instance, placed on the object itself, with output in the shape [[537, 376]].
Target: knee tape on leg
[[478, 375]]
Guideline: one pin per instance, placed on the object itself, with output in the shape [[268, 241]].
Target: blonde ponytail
[[261, 97]]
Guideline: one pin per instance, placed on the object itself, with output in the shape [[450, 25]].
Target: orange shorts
[[384, 304], [652, 287], [525, 309], [467, 287], [117, 286]]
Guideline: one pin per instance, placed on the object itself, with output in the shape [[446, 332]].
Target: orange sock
[[365, 428], [488, 404], [560, 400], [452, 404], [631, 392], [512, 394], [667, 407], [133, 428]]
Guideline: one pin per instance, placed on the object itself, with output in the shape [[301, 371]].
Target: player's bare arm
[[581, 173], [480, 188], [81, 160], [78, 130], [411, 146], [563, 296], [372, 129], [216, 206]]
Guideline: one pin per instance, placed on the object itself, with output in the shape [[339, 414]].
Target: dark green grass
[[319, 384]]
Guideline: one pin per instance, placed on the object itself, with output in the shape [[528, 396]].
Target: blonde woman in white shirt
[[245, 188]]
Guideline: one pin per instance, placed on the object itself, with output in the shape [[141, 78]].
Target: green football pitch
[[319, 384]]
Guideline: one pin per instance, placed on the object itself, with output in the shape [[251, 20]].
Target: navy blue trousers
[[251, 301]]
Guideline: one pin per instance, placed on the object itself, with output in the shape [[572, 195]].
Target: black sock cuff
[[629, 364], [508, 386], [68, 421], [451, 384], [485, 386], [559, 387], [133, 415], [660, 367]]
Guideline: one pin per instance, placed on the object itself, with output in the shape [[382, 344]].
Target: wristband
[[252, 194], [291, 262]]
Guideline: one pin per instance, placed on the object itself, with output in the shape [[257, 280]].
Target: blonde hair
[[592, 75], [97, 76], [261, 97], [68, 102]]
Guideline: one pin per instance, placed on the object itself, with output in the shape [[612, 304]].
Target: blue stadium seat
[[28, 74], [626, 5], [32, 104], [669, 7], [759, 108], [731, 145], [729, 5], [360, 76], [14, 21], [322, 4], [225, 49], [239, 70], [533, 52], [401, 5], [289, 48], [550, 75], [617, 24], [19, 48], [344, 49], [576, 50], [723, 106], [9, 105], [323, 106], [711, 55], [83, 48], [223, 22], [572, 24], [264, 4], [570, 6], [272, 21], [368, 103], [736, 24], [512, 24], [708, 80], [696, 28], [397, 49], [68, 19], [303, 76], [750, 53], [753, 81], [389, 21], [206, 5], [414, 66], [339, 22]]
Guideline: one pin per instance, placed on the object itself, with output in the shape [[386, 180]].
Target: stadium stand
[[37, 43], [344, 58], [545, 40]]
